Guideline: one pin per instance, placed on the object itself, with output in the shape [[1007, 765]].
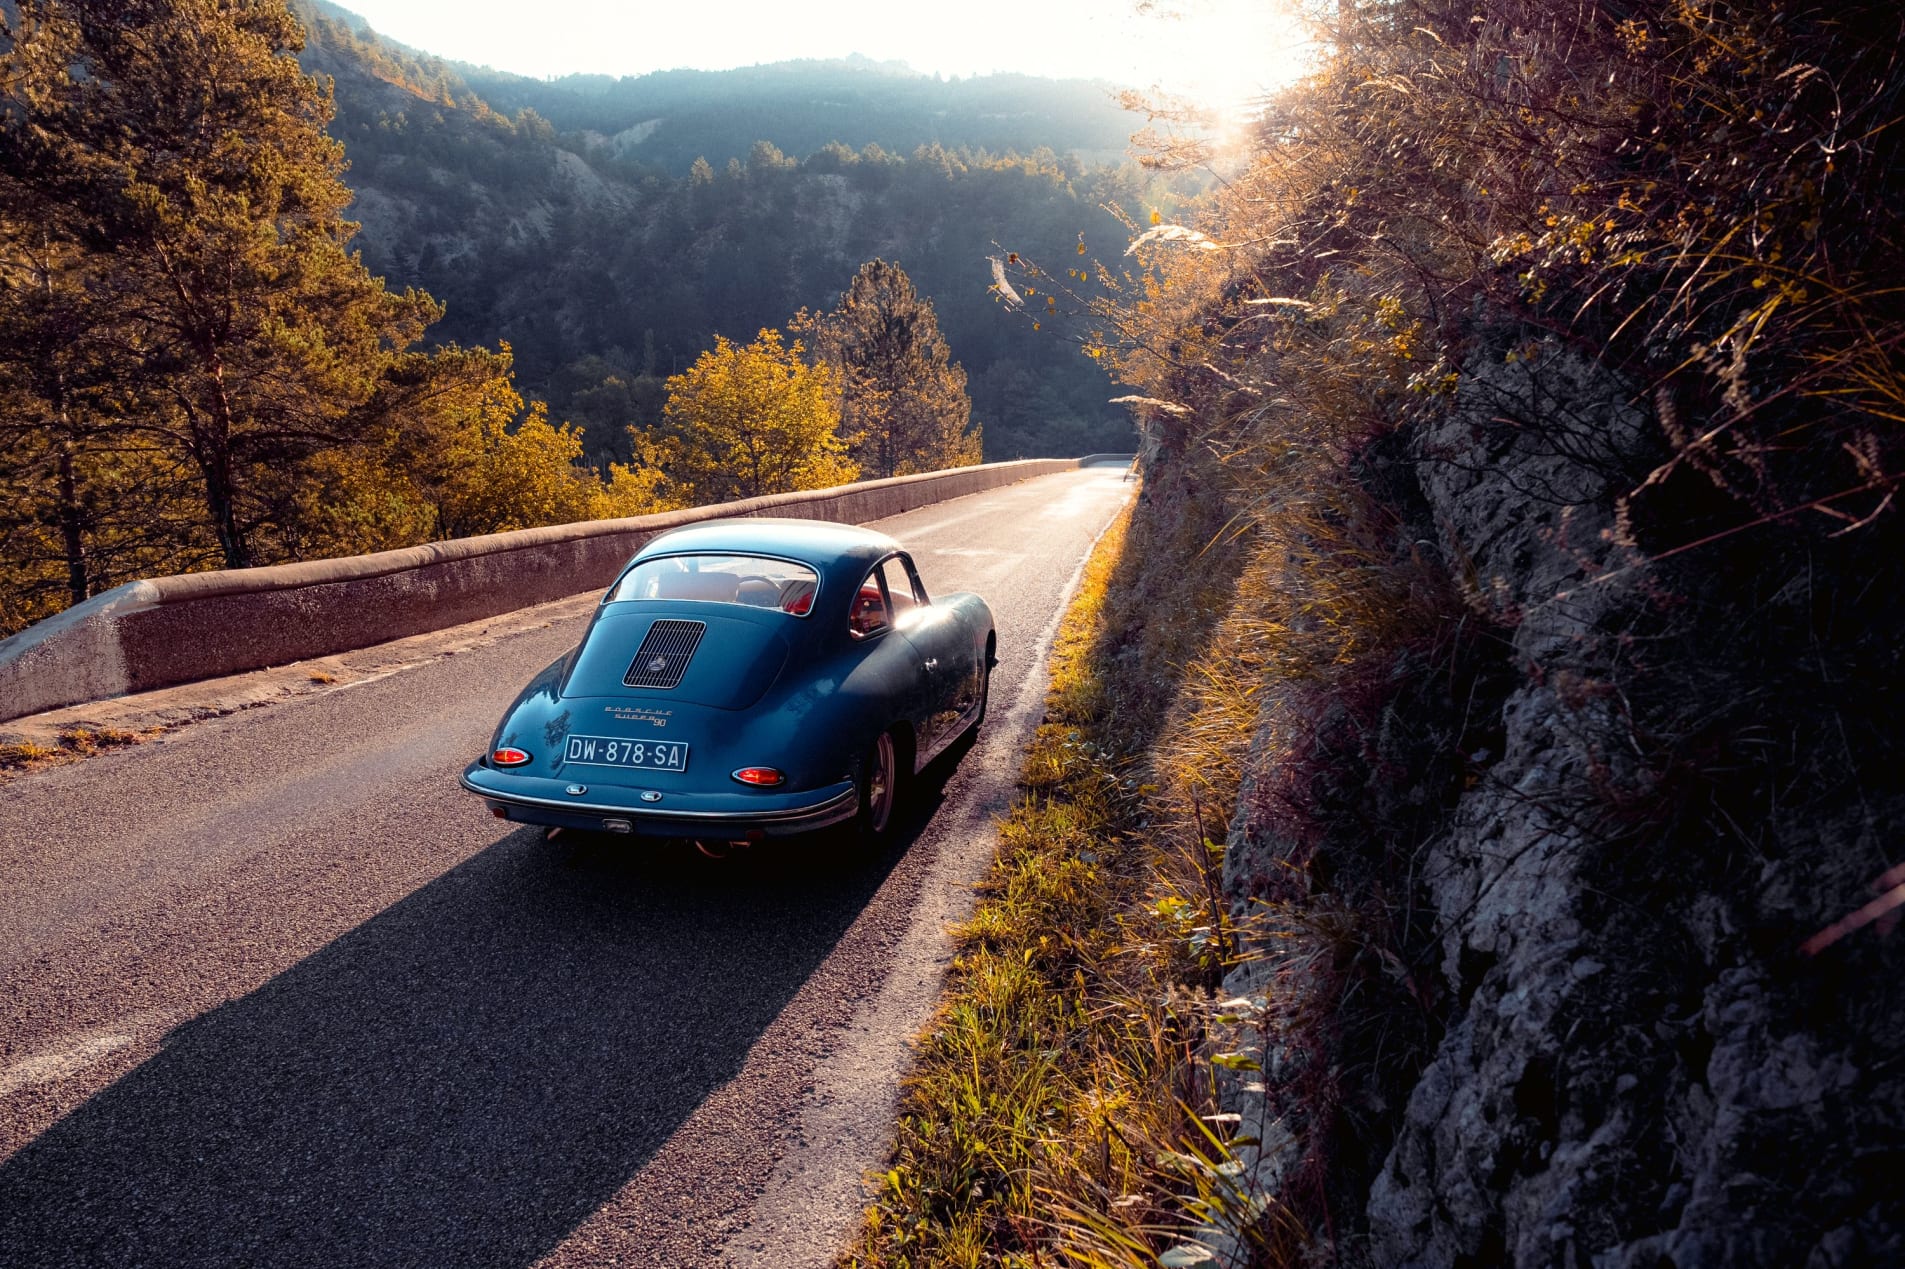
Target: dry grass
[[26, 756], [1072, 1101], [1053, 1077], [1064, 1107], [75, 744]]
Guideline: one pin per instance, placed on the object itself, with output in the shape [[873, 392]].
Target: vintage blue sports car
[[745, 679]]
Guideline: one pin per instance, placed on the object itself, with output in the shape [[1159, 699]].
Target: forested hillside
[[601, 259], [667, 119]]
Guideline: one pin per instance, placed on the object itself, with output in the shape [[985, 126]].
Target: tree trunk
[[78, 584], [221, 500], [221, 490], [72, 540]]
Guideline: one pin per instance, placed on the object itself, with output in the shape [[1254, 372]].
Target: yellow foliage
[[470, 459], [362, 501], [635, 490], [515, 479], [747, 420]]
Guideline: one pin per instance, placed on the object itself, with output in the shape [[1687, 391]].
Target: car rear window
[[755, 581]]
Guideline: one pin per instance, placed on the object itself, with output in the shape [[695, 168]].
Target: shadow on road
[[460, 1080]]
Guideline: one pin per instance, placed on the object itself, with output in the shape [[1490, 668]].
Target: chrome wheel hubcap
[[880, 785]]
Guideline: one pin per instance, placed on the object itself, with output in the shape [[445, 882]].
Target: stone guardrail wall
[[168, 630]]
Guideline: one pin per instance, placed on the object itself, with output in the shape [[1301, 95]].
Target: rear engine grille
[[664, 654]]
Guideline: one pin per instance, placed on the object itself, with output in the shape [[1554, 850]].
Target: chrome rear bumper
[[832, 806]]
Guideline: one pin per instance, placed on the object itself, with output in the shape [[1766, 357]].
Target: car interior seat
[[719, 587], [759, 592]]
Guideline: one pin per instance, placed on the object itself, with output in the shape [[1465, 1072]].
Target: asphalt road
[[274, 992]]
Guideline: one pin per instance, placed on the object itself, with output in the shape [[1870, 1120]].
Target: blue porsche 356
[[745, 679]]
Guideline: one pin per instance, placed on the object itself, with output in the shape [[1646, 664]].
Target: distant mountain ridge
[[799, 106], [605, 270]]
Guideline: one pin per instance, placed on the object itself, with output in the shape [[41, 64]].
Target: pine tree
[[181, 142], [79, 505], [56, 366], [904, 406]]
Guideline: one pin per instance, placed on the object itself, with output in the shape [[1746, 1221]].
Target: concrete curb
[[169, 630]]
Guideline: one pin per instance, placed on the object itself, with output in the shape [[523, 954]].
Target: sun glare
[[1222, 54], [1225, 54]]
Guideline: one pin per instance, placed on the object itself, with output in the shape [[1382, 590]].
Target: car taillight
[[763, 776], [508, 756]]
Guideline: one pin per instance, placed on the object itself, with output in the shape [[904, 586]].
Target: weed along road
[[273, 991]]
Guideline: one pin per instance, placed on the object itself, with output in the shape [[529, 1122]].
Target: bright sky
[[1223, 52]]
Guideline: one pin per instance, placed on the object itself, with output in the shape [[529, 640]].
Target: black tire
[[879, 789], [971, 733]]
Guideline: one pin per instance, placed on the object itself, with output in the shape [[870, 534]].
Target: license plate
[[611, 751]]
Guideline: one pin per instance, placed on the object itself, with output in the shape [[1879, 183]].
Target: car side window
[[912, 576], [902, 588], [869, 614]]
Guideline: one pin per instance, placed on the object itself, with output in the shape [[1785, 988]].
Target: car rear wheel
[[879, 788], [970, 736], [985, 691]]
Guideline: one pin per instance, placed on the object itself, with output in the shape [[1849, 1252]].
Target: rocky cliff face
[[1631, 1063]]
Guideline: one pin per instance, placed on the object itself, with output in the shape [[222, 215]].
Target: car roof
[[823, 543]]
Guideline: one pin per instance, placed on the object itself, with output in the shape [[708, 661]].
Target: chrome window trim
[[912, 575]]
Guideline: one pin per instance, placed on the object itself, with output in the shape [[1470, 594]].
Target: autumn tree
[[194, 370], [747, 420], [468, 457], [179, 144], [79, 504], [904, 406]]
